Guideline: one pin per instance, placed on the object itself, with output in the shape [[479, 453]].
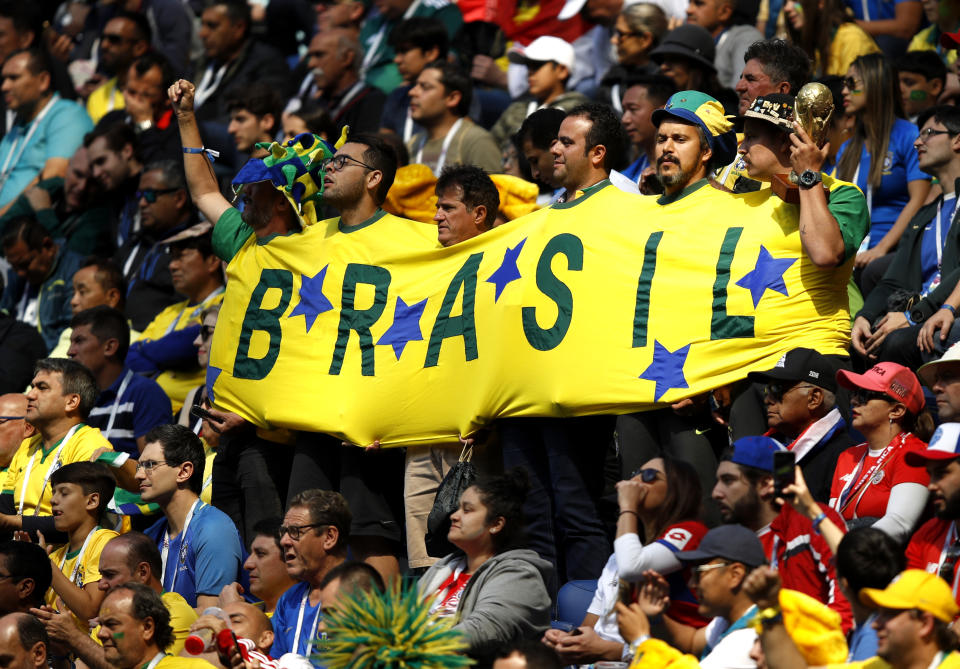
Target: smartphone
[[627, 592], [200, 412], [784, 465]]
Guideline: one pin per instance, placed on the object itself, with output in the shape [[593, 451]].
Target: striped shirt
[[143, 406]]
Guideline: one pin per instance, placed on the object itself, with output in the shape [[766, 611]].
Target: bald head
[[250, 622], [13, 428], [23, 642]]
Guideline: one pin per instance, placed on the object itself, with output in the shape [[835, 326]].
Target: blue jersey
[[930, 251], [285, 618], [899, 168], [209, 557], [142, 407]]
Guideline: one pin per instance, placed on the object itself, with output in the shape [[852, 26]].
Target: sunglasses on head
[[647, 475]]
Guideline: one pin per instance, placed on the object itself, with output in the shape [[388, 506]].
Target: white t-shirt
[[604, 598], [730, 652]]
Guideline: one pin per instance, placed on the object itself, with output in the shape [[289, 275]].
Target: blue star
[[508, 270], [312, 300], [405, 327], [768, 273], [666, 369], [213, 373]]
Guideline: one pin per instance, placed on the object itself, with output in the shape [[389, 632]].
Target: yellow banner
[[608, 304]]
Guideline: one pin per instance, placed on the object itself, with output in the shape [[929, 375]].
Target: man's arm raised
[[200, 177]]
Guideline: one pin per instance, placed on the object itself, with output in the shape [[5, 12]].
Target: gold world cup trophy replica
[[812, 109]]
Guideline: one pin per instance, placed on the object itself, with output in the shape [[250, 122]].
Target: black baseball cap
[[801, 364], [729, 542]]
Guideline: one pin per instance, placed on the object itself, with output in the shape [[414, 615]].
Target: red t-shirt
[[683, 536], [867, 487], [927, 549]]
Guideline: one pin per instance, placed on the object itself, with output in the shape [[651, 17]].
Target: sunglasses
[[150, 194], [860, 396], [851, 85], [778, 390], [648, 475], [206, 331]]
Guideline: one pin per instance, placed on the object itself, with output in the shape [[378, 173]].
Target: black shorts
[[371, 482]]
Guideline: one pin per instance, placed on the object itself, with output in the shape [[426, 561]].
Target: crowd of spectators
[[804, 515]]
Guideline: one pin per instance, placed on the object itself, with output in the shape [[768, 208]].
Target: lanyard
[[443, 149], [116, 403], [155, 661], [183, 546], [407, 126], [857, 481], [940, 229], [377, 40], [10, 162], [46, 479], [83, 549], [347, 97], [208, 84], [951, 537], [866, 10], [24, 303], [127, 266], [316, 621], [193, 314]]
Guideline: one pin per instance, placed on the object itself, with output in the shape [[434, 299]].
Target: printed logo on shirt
[[678, 537], [782, 362], [888, 162], [932, 567]]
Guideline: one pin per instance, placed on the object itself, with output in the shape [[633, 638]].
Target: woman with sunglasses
[[493, 588], [662, 501], [880, 156], [872, 484]]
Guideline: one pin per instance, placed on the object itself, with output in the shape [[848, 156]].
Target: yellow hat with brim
[[914, 589]]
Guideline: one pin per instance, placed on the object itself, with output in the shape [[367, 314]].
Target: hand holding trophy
[[813, 109]]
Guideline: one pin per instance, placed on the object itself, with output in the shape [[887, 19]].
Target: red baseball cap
[[897, 381], [944, 445]]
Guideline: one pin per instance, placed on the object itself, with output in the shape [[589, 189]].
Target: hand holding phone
[[784, 464]]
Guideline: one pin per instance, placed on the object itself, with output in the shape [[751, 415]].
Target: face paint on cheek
[[918, 96], [116, 636]]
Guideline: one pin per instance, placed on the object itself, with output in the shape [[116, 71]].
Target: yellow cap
[[914, 589], [814, 627]]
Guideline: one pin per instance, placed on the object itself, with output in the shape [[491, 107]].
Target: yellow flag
[[608, 304]]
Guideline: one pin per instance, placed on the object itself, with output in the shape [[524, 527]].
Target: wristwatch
[[808, 179]]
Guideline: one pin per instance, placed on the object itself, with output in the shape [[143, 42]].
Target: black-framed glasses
[[861, 396], [927, 133], [621, 34], [297, 531], [851, 85], [206, 331], [779, 390], [150, 194], [339, 161], [647, 475], [149, 465], [6, 419]]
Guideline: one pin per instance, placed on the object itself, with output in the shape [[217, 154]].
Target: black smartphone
[[784, 464], [200, 412]]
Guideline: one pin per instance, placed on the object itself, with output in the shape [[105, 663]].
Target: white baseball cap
[[572, 7], [545, 49]]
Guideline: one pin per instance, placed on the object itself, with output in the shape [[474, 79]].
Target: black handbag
[[458, 479]]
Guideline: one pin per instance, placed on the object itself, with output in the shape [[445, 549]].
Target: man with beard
[[745, 494], [694, 138], [935, 547]]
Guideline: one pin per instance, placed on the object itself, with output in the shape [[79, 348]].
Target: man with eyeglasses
[[926, 265], [745, 494], [165, 211], [199, 545], [719, 566], [25, 576], [800, 397], [165, 350], [935, 546], [125, 38], [313, 541], [14, 427], [129, 404]]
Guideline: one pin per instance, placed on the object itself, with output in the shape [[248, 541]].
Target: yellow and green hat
[[706, 112], [295, 168]]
